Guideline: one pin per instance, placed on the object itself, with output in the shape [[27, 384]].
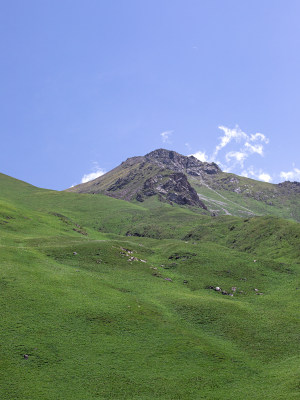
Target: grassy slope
[[258, 198], [96, 326]]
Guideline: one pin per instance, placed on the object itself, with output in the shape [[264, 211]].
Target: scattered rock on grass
[[133, 259], [218, 289]]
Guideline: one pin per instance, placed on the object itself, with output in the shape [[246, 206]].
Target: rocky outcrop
[[174, 188], [288, 186], [179, 163]]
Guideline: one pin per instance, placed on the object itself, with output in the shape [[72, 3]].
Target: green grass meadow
[[111, 300]]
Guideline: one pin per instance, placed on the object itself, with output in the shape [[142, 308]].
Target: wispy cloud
[[96, 172], [188, 146], [166, 136], [255, 148], [240, 145], [248, 143], [259, 136], [238, 156], [235, 134], [293, 175], [201, 155], [253, 173]]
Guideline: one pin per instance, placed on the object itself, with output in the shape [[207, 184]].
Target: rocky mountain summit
[[161, 173], [179, 163], [173, 178]]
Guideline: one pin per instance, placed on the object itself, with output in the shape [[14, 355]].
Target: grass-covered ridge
[[111, 300], [236, 195]]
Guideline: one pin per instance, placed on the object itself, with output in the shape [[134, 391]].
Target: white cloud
[[239, 156], [235, 134], [245, 173], [256, 148], [293, 175], [259, 136], [97, 171], [233, 151], [253, 173], [165, 136], [265, 177], [200, 155], [91, 176], [240, 147], [238, 136]]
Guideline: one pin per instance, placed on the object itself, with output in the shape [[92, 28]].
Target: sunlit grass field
[[111, 300]]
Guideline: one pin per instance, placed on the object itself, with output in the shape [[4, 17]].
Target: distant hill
[[171, 177]]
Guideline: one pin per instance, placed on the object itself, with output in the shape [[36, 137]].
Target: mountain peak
[[162, 173], [175, 178], [162, 153], [179, 163]]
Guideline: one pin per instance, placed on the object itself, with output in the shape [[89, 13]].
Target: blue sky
[[86, 84]]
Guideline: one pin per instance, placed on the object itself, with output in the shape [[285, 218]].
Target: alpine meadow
[[150, 200], [164, 278]]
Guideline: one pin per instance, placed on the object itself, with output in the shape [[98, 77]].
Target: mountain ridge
[[186, 181]]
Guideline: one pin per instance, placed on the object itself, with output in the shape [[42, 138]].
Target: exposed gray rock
[[174, 188], [290, 186], [179, 163]]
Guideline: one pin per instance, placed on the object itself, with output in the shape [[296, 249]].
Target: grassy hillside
[[229, 194], [111, 300]]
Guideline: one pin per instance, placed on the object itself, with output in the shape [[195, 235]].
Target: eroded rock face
[[174, 188], [179, 163]]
